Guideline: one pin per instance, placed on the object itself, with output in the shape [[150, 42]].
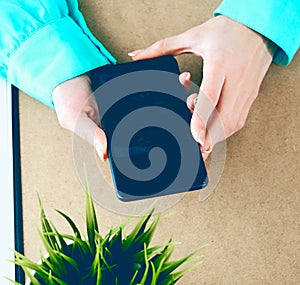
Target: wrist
[[77, 83], [270, 46]]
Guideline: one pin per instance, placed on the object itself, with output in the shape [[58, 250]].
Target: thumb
[[92, 133], [100, 144], [173, 45]]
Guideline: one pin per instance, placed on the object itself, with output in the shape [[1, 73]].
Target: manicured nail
[[105, 157], [131, 54]]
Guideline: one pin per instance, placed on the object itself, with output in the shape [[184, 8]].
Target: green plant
[[113, 259]]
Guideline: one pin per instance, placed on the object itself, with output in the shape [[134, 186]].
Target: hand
[[78, 112], [235, 61]]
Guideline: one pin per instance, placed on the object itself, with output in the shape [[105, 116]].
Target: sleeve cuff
[[278, 21], [55, 53]]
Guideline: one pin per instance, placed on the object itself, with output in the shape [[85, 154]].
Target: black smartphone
[[144, 115]]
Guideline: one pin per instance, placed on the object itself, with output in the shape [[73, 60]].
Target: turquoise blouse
[[44, 43]]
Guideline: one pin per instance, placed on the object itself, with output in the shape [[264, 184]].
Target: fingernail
[[188, 77], [100, 153], [105, 157], [198, 136], [131, 54]]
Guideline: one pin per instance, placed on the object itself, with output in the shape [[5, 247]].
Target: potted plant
[[113, 259]]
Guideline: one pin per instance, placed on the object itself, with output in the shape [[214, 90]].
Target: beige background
[[251, 222]]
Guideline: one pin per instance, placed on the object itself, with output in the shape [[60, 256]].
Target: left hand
[[77, 111]]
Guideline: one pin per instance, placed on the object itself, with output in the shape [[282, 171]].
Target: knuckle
[[160, 45]]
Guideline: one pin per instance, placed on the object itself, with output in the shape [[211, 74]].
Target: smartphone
[[147, 123]]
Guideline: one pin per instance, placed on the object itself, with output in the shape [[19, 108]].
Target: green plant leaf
[[144, 278], [138, 230], [69, 260], [179, 274], [56, 260], [71, 223], [24, 262], [133, 277], [96, 265], [13, 281], [153, 250], [116, 258], [51, 279], [154, 274], [146, 237], [159, 262], [171, 266], [164, 255], [46, 228], [91, 221], [33, 280]]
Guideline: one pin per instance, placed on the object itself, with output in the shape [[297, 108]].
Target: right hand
[[236, 60]]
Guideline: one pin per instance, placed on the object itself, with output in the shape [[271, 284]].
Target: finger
[[173, 45], [190, 101], [231, 112], [92, 133], [205, 156], [229, 117], [135, 52], [210, 90], [185, 80], [216, 131], [91, 110], [207, 147], [100, 144]]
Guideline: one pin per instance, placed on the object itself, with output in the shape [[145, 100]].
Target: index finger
[[173, 45]]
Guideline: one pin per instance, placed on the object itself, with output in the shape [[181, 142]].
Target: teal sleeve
[[44, 43], [277, 20]]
